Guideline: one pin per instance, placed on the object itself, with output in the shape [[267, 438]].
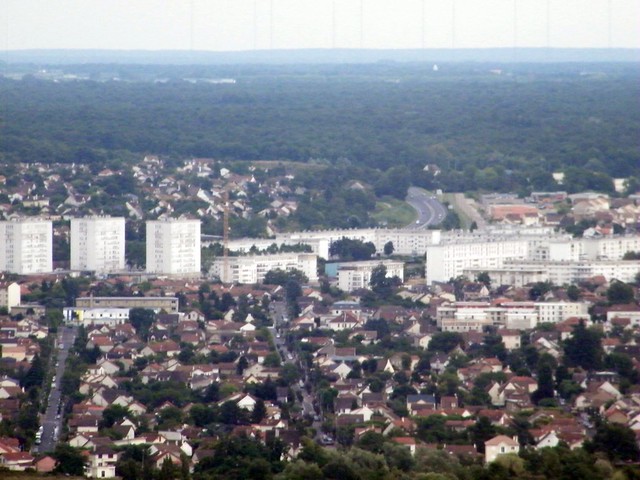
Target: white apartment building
[[525, 258], [405, 241], [466, 316], [95, 316], [449, 260], [173, 247], [356, 275], [97, 244], [514, 275], [252, 269], [556, 312], [26, 246], [610, 248], [569, 272], [9, 295], [245, 245]]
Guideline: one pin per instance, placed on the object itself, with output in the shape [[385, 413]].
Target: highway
[[52, 419], [430, 210]]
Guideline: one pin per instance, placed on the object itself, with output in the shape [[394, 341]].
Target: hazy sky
[[263, 24]]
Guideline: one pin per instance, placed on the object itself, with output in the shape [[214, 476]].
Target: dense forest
[[494, 131]]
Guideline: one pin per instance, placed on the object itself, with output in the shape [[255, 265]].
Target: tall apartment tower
[[26, 246], [97, 244], [173, 247]]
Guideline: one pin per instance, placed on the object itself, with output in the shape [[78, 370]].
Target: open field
[[394, 213]]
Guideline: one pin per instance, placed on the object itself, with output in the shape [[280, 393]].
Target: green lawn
[[391, 212], [464, 219]]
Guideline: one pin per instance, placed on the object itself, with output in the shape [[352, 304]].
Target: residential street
[[52, 419]]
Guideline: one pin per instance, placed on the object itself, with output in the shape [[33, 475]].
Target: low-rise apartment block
[[168, 304], [357, 275], [253, 268]]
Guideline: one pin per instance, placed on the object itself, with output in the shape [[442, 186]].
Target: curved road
[[430, 210]]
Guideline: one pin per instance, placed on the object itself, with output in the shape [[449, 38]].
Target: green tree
[[142, 320], [282, 277], [545, 383], [70, 460], [619, 293], [300, 470], [35, 374], [259, 411], [388, 248], [349, 250], [573, 293], [618, 442], [202, 415], [113, 414], [444, 342], [483, 277], [584, 348], [272, 360], [372, 442], [380, 283], [482, 431]]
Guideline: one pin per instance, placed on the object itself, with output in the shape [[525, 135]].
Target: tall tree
[[619, 293], [259, 411], [545, 383], [617, 441], [584, 348]]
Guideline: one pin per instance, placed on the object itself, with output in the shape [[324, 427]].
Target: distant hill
[[321, 56]]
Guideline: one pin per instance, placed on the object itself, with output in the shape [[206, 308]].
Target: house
[[408, 442], [510, 338], [439, 362], [16, 461], [45, 464], [102, 463], [421, 401], [500, 445]]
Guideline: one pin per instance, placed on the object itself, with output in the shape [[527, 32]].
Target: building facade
[[26, 246], [356, 275], [168, 304], [468, 316], [450, 259], [173, 247], [97, 244], [95, 316], [252, 269], [513, 258], [9, 295]]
